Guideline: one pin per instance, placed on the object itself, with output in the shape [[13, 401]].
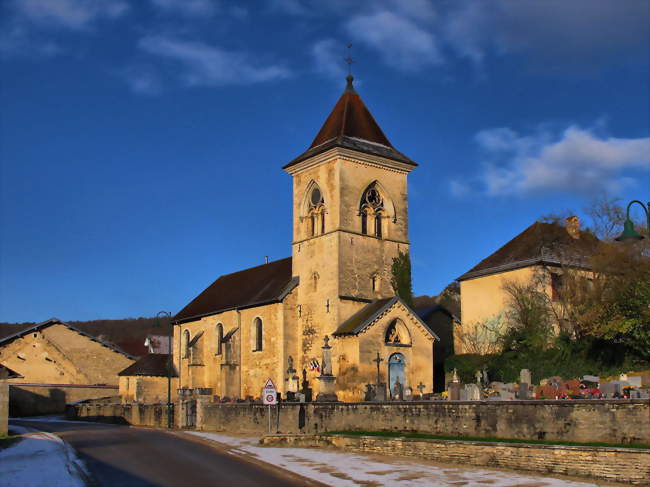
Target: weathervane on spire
[[349, 60]]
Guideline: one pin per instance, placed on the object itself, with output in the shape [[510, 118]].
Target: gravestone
[[408, 394], [507, 395], [634, 380], [524, 376], [300, 397], [607, 389], [523, 391], [473, 392], [591, 378], [380, 392], [453, 392], [497, 386], [462, 395]]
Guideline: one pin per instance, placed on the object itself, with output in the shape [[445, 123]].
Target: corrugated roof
[[259, 285], [55, 321], [151, 365], [351, 125], [540, 243]]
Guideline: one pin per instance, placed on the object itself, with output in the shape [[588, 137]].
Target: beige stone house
[[149, 380], [59, 364], [350, 219], [542, 252]]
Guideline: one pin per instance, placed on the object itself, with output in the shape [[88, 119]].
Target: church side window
[[364, 222], [219, 338], [378, 225], [186, 344], [258, 335]]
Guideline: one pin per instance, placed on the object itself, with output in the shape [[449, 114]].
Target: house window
[[258, 335], [186, 344], [219, 338], [556, 286]]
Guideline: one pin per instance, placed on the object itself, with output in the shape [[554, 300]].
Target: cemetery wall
[[613, 464], [607, 421], [4, 407]]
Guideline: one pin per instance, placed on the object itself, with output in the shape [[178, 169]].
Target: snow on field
[[40, 459], [343, 469]]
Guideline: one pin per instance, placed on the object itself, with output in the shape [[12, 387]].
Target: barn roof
[[151, 365]]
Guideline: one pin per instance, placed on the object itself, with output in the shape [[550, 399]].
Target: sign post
[[269, 397]]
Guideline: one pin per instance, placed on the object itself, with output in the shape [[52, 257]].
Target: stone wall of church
[[239, 370], [4, 407]]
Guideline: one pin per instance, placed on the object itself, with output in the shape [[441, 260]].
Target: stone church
[[332, 300]]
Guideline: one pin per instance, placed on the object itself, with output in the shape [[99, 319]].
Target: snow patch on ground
[[40, 459], [345, 469]]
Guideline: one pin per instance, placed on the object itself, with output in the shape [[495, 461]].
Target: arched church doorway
[[396, 376]]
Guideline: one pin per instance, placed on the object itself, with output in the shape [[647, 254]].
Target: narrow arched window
[[313, 224], [315, 210], [219, 338], [322, 222], [186, 344], [375, 283], [258, 335], [372, 203]]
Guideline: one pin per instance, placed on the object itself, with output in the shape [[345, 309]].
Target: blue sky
[[141, 142]]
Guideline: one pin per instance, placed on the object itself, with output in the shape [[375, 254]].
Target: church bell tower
[[350, 216]]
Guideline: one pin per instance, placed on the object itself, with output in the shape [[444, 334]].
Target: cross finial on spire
[[349, 60]]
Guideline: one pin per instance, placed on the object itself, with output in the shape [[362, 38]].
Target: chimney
[[572, 225]]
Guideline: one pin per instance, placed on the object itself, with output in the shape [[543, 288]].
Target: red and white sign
[[269, 393]]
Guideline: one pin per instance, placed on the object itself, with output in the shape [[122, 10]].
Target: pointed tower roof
[[351, 125]]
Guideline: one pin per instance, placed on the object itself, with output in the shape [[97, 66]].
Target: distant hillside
[[449, 298], [128, 334]]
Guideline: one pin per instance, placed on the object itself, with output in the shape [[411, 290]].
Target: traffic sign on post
[[269, 393]]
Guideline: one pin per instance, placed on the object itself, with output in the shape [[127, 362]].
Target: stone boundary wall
[[613, 464], [135, 414], [584, 421], [31, 399]]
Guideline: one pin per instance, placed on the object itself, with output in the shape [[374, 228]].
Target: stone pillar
[[327, 380]]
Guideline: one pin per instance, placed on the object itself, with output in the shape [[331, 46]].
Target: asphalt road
[[124, 456]]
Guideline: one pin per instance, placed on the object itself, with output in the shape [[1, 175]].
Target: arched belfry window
[[315, 210], [219, 338], [371, 209], [258, 335]]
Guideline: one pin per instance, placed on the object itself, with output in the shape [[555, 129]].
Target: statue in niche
[[393, 335]]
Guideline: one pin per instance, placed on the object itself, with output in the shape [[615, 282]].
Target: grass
[[425, 436]]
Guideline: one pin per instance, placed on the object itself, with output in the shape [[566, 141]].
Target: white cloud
[[16, 41], [574, 33], [208, 65], [401, 43], [328, 56], [576, 160], [73, 14], [187, 7], [142, 80]]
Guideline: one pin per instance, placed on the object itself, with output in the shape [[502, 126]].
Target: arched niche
[[397, 334]]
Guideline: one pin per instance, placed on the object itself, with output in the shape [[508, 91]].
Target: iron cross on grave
[[378, 360]]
